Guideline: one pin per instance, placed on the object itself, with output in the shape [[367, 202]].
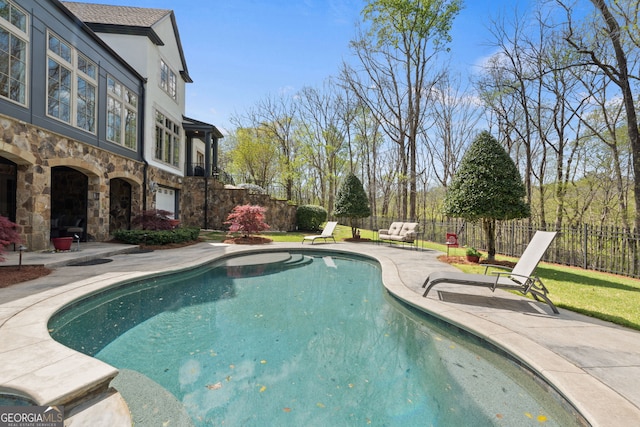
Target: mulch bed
[[248, 240], [463, 260], [10, 275]]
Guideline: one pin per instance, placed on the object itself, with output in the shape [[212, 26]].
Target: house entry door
[[8, 175]]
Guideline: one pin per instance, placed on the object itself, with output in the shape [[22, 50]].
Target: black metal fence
[[600, 248]]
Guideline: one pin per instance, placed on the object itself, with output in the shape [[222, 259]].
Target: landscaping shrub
[[154, 219], [157, 237], [310, 217], [8, 234]]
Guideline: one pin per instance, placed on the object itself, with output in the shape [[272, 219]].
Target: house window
[[13, 52], [71, 85], [86, 95], [122, 116], [167, 146], [168, 80]]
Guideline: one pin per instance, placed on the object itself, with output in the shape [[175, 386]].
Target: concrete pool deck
[[595, 365]]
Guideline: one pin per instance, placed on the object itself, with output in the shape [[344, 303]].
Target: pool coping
[[37, 367]]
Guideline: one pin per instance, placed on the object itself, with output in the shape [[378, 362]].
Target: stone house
[[93, 127]]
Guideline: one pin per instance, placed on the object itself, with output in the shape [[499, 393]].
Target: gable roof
[[129, 20], [116, 15], [91, 34]]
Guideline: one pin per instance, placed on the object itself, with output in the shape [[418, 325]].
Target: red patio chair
[[452, 241]]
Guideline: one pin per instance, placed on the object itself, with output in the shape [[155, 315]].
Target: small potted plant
[[473, 255]]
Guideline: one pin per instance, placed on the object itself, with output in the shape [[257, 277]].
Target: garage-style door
[[166, 200]]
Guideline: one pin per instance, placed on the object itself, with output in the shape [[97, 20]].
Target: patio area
[[593, 364]]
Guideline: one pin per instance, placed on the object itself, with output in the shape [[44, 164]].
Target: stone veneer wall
[[36, 151], [280, 215]]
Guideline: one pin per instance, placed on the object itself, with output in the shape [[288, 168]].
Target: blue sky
[[240, 51]]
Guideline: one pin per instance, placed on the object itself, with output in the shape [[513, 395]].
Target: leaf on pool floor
[[264, 362], [320, 405], [215, 386], [263, 388], [542, 419], [286, 409]]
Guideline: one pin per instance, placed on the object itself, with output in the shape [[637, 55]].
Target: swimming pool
[[301, 338]]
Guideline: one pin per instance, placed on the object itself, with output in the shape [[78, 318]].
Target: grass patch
[[341, 232], [600, 295]]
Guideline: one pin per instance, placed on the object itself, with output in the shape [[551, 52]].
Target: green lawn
[[601, 295]]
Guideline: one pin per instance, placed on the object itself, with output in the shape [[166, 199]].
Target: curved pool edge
[[47, 372], [597, 403]]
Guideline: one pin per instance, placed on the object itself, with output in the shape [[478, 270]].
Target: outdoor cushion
[[399, 232]]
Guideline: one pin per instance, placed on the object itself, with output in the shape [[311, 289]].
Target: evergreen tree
[[352, 202], [486, 187]]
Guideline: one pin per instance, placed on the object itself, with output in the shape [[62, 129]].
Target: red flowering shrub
[[247, 219], [154, 219], [8, 234]]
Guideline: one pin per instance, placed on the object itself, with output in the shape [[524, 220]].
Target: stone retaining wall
[[280, 215]]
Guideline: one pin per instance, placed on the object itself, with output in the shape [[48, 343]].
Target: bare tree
[[368, 140], [322, 112], [396, 55], [508, 75], [560, 100], [603, 122], [534, 92], [615, 26], [455, 114]]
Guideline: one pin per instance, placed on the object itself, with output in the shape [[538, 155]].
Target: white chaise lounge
[[520, 278], [327, 233]]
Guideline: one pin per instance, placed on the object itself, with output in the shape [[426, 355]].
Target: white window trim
[[75, 73], [125, 106], [25, 37], [170, 87], [172, 161]]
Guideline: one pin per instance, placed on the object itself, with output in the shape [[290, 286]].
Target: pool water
[[295, 339]]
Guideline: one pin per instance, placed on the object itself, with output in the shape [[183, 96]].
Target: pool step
[[298, 260]]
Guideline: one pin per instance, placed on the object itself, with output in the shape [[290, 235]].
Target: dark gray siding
[[51, 15]]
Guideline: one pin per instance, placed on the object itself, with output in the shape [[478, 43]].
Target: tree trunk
[[489, 227], [613, 30]]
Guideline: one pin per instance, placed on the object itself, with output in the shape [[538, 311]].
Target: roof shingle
[[116, 15]]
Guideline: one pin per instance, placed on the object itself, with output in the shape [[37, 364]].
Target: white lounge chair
[[327, 233], [519, 278]]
